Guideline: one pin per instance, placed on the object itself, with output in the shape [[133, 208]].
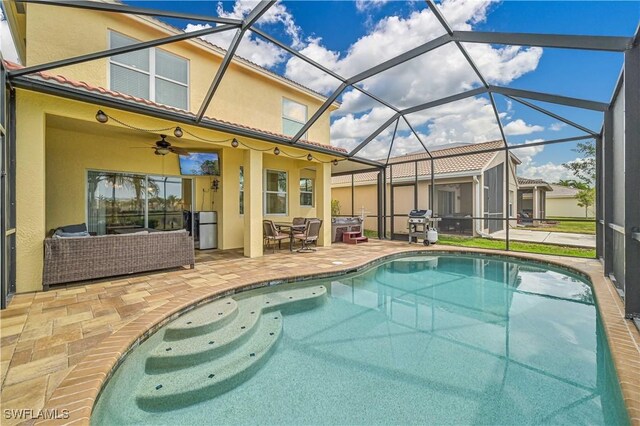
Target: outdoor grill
[[419, 216], [420, 226]]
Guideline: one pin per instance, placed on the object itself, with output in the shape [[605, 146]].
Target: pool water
[[444, 339]]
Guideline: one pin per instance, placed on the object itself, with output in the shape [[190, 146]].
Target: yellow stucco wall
[[246, 95], [567, 207], [59, 140]]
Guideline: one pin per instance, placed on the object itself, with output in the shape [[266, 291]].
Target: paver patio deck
[[59, 347]]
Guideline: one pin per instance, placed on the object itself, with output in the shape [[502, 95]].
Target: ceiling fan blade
[[178, 150]]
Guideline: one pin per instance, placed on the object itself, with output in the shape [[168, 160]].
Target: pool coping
[[75, 397]]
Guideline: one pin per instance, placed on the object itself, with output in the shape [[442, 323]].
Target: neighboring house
[[72, 169], [532, 200], [465, 187], [561, 202]]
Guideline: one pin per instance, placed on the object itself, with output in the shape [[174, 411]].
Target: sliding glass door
[[166, 203], [123, 202]]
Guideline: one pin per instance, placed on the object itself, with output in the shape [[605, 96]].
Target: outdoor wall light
[[309, 157], [335, 162], [215, 185], [235, 143], [276, 151], [178, 132], [101, 117]]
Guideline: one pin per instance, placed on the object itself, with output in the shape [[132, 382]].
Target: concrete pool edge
[[79, 391]]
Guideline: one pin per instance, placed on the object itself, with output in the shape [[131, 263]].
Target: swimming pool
[[419, 339]]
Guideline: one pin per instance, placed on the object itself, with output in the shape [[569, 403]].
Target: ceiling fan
[[163, 147]]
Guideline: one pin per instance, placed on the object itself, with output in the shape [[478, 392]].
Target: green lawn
[[577, 227], [478, 242]]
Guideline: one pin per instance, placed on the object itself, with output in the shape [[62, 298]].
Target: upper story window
[[152, 74], [294, 116]]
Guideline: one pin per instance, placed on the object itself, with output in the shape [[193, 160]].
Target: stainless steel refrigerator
[[206, 230]]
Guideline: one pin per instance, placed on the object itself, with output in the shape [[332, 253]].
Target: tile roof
[[559, 191], [472, 162], [527, 181], [83, 86]]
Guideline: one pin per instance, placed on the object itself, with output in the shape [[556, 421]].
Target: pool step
[[180, 354], [296, 300], [184, 353], [173, 390], [202, 320]]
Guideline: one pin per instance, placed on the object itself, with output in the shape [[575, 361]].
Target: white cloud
[[278, 13], [7, 46], [253, 48], [519, 127], [364, 5], [256, 50], [435, 75], [556, 127], [530, 168], [549, 172]]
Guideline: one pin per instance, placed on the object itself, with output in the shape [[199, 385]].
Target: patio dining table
[[291, 229]]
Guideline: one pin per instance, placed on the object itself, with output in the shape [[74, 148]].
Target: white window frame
[[313, 198], [306, 116], [151, 74], [265, 192]]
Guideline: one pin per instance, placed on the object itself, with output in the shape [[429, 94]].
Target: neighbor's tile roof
[[467, 163], [527, 181], [83, 86], [559, 191]]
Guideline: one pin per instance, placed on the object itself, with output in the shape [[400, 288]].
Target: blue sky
[[350, 36], [190, 165]]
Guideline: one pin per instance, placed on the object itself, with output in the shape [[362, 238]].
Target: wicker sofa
[[78, 259]]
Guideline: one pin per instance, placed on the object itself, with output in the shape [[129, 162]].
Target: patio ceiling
[[399, 117]]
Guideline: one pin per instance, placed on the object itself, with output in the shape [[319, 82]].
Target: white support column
[[536, 205], [323, 202], [253, 239]]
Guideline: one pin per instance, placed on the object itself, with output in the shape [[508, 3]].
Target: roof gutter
[[57, 90]]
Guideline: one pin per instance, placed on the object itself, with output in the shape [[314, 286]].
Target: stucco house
[[561, 202], [465, 187], [532, 200], [85, 135]]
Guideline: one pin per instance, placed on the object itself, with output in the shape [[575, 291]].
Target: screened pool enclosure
[[407, 169]]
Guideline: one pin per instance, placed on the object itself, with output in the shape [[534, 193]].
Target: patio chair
[[298, 221], [309, 236], [271, 234]]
